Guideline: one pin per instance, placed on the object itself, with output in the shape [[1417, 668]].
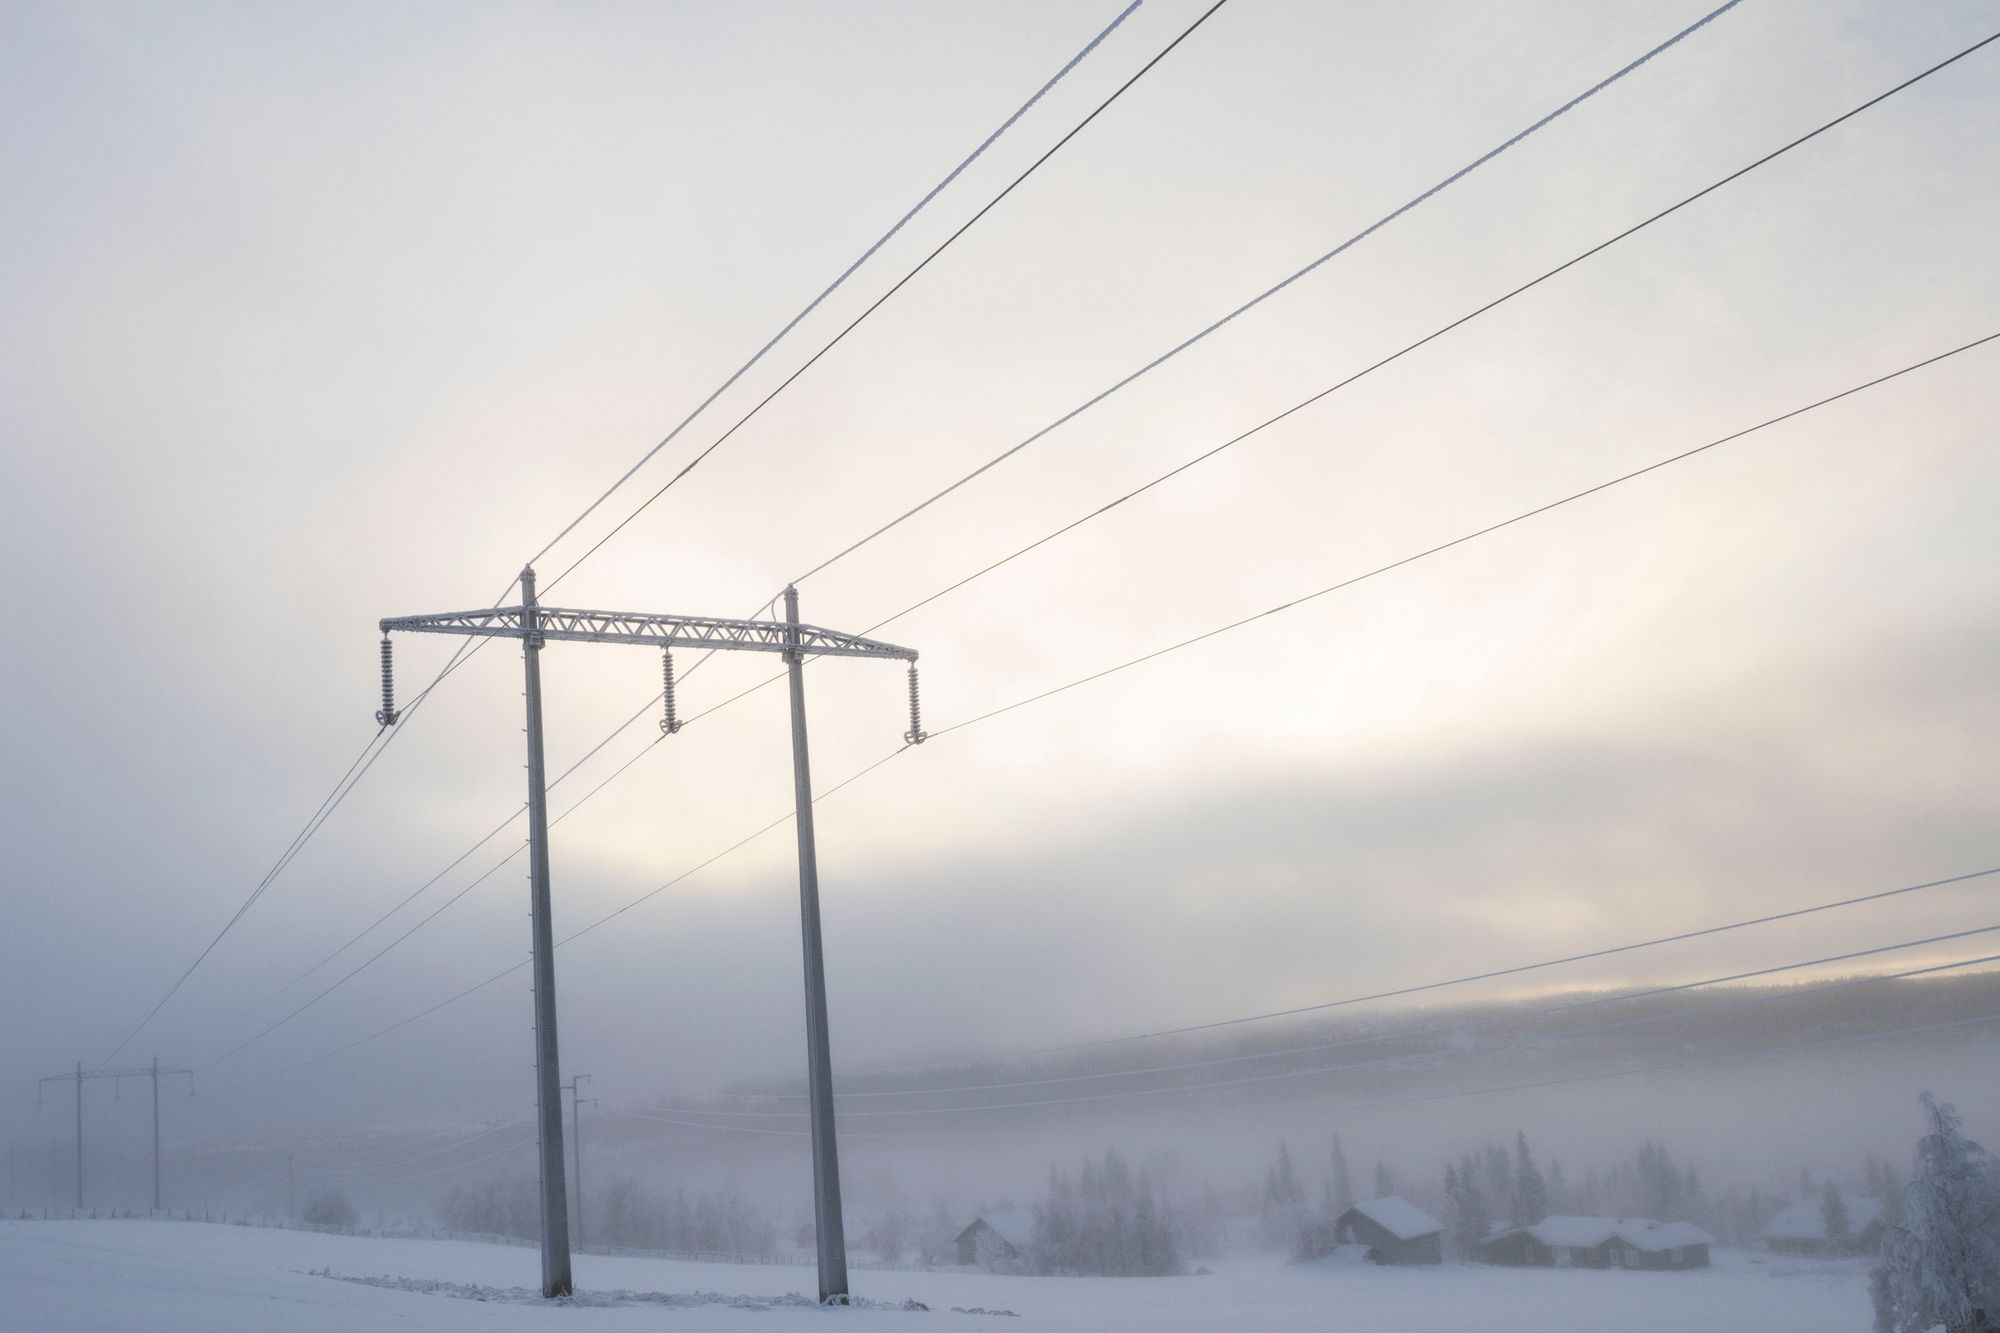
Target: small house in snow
[[1801, 1228], [995, 1237], [1600, 1242], [1392, 1230]]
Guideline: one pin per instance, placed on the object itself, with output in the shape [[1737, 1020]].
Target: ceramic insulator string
[[386, 716], [671, 721], [916, 735]]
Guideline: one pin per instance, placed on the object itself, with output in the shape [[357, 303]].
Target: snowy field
[[176, 1276]]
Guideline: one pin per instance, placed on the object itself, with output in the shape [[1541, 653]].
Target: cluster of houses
[[1393, 1230]]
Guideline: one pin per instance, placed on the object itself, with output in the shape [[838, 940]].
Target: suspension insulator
[[671, 721], [916, 735], [386, 716]]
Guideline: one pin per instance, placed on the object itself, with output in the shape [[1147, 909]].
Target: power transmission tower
[[576, 1105], [535, 625], [79, 1078]]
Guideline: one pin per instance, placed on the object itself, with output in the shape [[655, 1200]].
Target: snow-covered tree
[[1339, 1183], [1499, 1186], [1114, 1226], [1531, 1193], [1887, 1191], [1662, 1188], [1282, 1186], [1833, 1214], [1283, 1223], [328, 1208], [1943, 1267], [1470, 1220]]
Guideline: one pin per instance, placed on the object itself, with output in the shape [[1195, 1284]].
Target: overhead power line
[[1199, 638], [1474, 535], [464, 651], [328, 804], [439, 910], [405, 1160], [1430, 337], [495, 832], [831, 288], [420, 1175], [881, 300], [370, 753], [1214, 451], [1280, 286], [1208, 454]]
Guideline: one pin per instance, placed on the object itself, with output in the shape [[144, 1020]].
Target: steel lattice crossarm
[[143, 1071], [660, 631]]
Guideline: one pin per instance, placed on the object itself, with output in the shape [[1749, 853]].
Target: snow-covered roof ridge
[[1399, 1217], [1016, 1226], [1806, 1219], [1653, 1236], [1641, 1233], [1572, 1232]]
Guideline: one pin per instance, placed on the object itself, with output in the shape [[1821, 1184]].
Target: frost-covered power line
[[1214, 451], [1198, 459], [1203, 637], [384, 736], [1281, 285], [834, 286]]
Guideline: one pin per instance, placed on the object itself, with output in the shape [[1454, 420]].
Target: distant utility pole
[[291, 1187], [534, 625], [153, 1072], [576, 1105]]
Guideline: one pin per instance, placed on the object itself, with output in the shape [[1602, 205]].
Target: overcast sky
[[315, 314]]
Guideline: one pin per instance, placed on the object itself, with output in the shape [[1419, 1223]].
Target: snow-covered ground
[[176, 1276]]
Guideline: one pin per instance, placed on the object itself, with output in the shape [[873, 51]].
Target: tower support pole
[[548, 1070], [829, 1234]]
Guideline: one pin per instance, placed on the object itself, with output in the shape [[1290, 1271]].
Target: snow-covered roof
[[1641, 1233], [1806, 1219], [1016, 1226], [1571, 1232], [1655, 1236], [1399, 1217]]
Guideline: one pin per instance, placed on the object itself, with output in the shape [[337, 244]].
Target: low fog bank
[[1602, 1088]]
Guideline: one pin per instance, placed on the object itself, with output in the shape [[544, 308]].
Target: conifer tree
[[1284, 1186], [1833, 1217], [1470, 1220], [1531, 1194], [1343, 1187]]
